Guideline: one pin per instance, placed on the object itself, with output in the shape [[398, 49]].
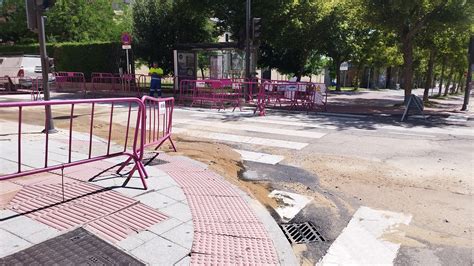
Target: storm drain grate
[[300, 233], [77, 247]]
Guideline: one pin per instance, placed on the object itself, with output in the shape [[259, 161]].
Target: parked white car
[[22, 69]]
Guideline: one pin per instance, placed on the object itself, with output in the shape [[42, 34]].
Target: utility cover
[[78, 247]]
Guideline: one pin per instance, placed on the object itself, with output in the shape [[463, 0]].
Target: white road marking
[[247, 127], [414, 135], [241, 139], [362, 243], [457, 118], [293, 204], [292, 122], [260, 157]]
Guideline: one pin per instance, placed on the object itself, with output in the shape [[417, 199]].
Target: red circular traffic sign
[[126, 38]]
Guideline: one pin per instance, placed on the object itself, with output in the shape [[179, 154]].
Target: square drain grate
[[78, 247], [301, 233]]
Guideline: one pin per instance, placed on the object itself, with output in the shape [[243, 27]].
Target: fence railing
[[41, 161], [70, 81]]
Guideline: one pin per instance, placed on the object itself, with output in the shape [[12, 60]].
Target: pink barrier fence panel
[[9, 84], [36, 89], [112, 82], [186, 90], [159, 120], [70, 81], [92, 148]]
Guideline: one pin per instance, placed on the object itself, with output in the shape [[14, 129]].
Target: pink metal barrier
[[70, 81], [157, 128], [8, 84], [214, 92], [36, 89], [133, 137], [115, 83], [159, 113]]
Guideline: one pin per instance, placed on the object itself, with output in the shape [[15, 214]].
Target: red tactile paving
[[222, 191], [226, 231], [122, 223], [213, 249], [220, 209], [247, 230], [112, 214], [43, 178]]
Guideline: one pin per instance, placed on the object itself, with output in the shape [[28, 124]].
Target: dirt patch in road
[[223, 160]]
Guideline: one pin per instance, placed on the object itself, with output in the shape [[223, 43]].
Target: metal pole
[[128, 69], [247, 45], [45, 70], [467, 91]]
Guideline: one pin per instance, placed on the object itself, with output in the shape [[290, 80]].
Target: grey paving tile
[[11, 243], [173, 192], [42, 235], [160, 251], [23, 226], [156, 200], [6, 213], [182, 234], [135, 240], [164, 226], [178, 210], [184, 261], [129, 243]]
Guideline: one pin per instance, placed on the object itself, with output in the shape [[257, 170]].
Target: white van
[[22, 69]]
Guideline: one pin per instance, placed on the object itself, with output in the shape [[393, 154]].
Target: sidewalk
[[188, 215]]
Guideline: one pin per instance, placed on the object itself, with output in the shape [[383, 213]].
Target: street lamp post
[[248, 76]]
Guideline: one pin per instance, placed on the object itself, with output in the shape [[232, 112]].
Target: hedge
[[77, 57]]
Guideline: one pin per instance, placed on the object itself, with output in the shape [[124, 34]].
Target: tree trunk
[[407, 67], [459, 83], [429, 76], [441, 78], [450, 77], [202, 72], [388, 77], [338, 75], [355, 82]]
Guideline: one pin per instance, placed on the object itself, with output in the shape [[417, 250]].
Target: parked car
[[22, 69]]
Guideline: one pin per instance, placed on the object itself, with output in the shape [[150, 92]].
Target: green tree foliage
[[407, 18], [13, 26], [159, 25], [82, 20]]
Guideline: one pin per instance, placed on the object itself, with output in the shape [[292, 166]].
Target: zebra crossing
[[249, 134]]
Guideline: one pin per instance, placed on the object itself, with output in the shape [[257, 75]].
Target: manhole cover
[[78, 247], [299, 233]]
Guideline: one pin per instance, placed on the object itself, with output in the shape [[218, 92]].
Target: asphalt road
[[419, 168]]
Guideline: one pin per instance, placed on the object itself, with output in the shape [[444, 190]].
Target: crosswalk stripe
[[260, 157], [294, 123], [362, 243], [269, 130], [241, 139]]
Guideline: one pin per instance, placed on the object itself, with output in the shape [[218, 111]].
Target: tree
[[159, 25], [338, 37], [406, 18], [13, 26], [82, 20]]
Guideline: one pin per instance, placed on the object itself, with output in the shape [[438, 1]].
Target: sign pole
[[128, 64], [44, 71], [248, 5]]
